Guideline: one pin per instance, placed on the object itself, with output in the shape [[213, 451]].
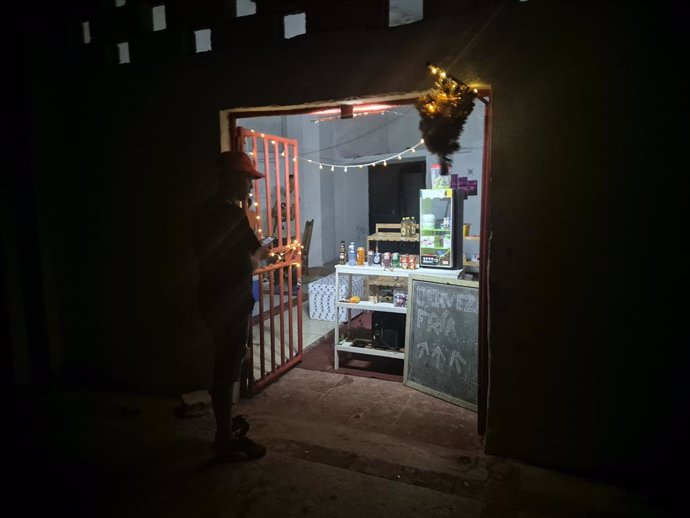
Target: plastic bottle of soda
[[352, 254], [342, 256], [403, 227]]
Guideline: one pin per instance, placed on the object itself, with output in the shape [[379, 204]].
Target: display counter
[[394, 274]]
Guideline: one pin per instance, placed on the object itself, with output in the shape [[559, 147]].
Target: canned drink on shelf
[[404, 260], [377, 259], [412, 262], [386, 259], [370, 257], [395, 260], [360, 255]]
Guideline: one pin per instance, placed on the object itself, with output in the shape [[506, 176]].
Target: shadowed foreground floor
[[338, 446]]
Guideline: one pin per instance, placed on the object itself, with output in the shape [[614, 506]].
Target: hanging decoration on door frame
[[443, 113]]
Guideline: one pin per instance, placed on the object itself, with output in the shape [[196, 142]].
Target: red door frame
[[483, 336]]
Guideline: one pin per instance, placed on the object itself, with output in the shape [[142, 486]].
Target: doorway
[[335, 172], [394, 191]]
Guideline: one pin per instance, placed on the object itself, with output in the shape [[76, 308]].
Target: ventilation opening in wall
[[158, 16], [202, 40], [123, 52], [294, 25], [402, 12], [245, 7], [86, 32]]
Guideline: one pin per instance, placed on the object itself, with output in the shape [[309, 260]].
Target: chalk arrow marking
[[422, 347], [438, 354], [456, 359]]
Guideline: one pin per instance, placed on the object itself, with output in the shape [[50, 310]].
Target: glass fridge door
[[436, 228]]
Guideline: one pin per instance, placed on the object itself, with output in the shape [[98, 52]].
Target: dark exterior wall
[[583, 345]]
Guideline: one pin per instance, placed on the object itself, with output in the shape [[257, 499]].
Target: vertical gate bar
[[271, 311], [288, 194], [298, 237], [271, 285], [295, 173], [267, 178], [281, 243], [288, 226], [290, 326], [243, 136], [262, 341], [282, 316], [279, 213]]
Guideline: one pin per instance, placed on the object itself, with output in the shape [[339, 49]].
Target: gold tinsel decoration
[[443, 113]]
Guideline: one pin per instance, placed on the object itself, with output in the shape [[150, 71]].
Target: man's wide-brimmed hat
[[237, 162]]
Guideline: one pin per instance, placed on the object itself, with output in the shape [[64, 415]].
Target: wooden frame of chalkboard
[[441, 338]]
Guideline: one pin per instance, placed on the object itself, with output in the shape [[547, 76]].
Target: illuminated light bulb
[[256, 204], [384, 163], [252, 131], [294, 159], [421, 141], [360, 167], [272, 141], [320, 166], [346, 169], [475, 91], [433, 69], [308, 160], [332, 168], [263, 134], [443, 74], [258, 217], [399, 157], [414, 150]]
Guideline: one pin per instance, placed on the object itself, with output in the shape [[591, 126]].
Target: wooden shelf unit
[[390, 232]]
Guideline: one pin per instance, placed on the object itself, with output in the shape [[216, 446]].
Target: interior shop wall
[[350, 190], [362, 139]]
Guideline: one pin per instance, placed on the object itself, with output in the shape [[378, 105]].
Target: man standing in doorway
[[228, 252]]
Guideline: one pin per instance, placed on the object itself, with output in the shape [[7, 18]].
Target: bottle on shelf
[[413, 227], [403, 227], [342, 255], [352, 254]]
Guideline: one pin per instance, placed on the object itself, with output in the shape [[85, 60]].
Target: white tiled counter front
[[322, 297]]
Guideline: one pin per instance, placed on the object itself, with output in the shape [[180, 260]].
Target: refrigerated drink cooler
[[440, 228]]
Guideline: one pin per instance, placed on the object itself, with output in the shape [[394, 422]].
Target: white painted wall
[[338, 201]]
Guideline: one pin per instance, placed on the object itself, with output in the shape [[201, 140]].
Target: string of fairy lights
[[346, 167], [448, 91], [384, 161]]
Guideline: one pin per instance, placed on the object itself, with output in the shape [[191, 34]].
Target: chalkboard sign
[[441, 338]]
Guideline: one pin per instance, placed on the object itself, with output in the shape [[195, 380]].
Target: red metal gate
[[276, 331]]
